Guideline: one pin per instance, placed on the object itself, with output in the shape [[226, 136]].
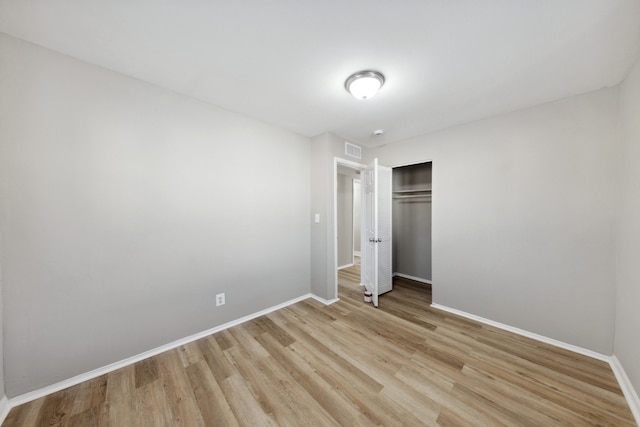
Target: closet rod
[[419, 196]]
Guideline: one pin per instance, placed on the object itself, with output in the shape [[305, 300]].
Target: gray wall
[[321, 185], [2, 388], [524, 216], [345, 219], [412, 222], [124, 213], [627, 335]]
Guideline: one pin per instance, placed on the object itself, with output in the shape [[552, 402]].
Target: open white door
[[376, 236]]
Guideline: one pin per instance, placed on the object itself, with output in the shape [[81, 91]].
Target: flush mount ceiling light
[[364, 84]]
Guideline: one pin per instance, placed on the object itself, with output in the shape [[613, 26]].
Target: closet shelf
[[413, 196], [423, 190]]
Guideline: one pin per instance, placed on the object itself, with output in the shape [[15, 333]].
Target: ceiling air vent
[[352, 150]]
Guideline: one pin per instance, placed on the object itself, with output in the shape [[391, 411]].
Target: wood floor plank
[[276, 331], [119, 396], [553, 390], [151, 407], [91, 393], [178, 390], [542, 411], [96, 416], [523, 409], [245, 364], [304, 410], [440, 392], [146, 371], [224, 340], [210, 398], [347, 364], [408, 401], [370, 403], [215, 358], [244, 338], [56, 408], [190, 353], [533, 353], [120, 384], [278, 394], [246, 409], [337, 362], [330, 399]]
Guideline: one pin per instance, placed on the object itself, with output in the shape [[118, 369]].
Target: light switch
[[317, 218]]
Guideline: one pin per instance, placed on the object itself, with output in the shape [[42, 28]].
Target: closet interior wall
[[412, 221]]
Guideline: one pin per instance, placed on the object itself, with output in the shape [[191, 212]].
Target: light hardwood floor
[[347, 364]]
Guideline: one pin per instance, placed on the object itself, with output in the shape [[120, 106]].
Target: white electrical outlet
[[219, 300]]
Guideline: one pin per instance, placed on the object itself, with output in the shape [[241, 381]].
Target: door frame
[[353, 165], [353, 219], [413, 163]]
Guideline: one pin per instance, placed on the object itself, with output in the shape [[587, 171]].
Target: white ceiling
[[285, 62]]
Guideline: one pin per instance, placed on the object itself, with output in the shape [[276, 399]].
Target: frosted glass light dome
[[364, 84]]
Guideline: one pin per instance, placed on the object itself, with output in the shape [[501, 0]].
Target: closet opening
[[411, 225]]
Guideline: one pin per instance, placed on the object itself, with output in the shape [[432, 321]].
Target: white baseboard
[[5, 407], [345, 266], [44, 391], [325, 301], [414, 278], [527, 334], [627, 388]]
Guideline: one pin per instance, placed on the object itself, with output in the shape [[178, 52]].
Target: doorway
[[353, 171], [348, 215]]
